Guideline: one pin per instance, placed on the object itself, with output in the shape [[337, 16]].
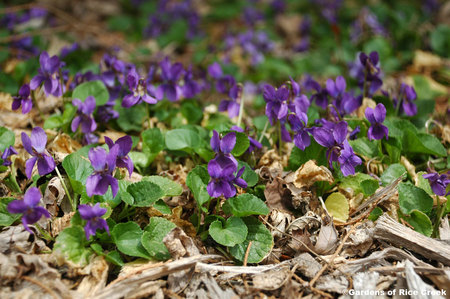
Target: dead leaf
[[271, 159], [327, 239], [360, 240], [16, 238], [60, 223], [309, 173], [96, 276], [426, 60], [272, 279], [277, 196], [179, 244]]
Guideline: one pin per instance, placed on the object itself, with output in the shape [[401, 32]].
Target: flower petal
[[32, 197], [29, 165], [38, 139]]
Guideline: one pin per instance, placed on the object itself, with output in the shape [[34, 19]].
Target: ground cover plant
[[224, 148]]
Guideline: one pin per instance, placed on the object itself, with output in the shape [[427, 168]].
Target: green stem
[[264, 131], [44, 233], [280, 142], [439, 214], [241, 111], [72, 203]]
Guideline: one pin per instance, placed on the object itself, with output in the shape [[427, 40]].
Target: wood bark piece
[[390, 230], [121, 287], [418, 286], [365, 285]]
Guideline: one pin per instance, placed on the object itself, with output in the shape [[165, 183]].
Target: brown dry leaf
[[60, 223], [53, 196], [272, 279], [280, 220], [300, 241], [367, 102], [62, 146], [327, 239], [426, 60], [277, 196], [360, 240], [16, 238], [409, 167], [309, 173], [175, 218], [271, 159], [446, 134], [179, 244], [97, 274]]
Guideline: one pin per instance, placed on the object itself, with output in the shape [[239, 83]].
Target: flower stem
[[241, 111], [439, 214], [264, 131], [72, 202]]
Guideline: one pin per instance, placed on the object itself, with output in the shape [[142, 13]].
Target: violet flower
[[223, 180], [232, 106], [138, 87], [9, 151], [438, 183], [125, 144], [223, 147], [84, 117], [331, 136], [170, 74], [335, 89], [35, 146], [48, 74], [298, 123], [348, 160], [23, 99], [215, 70], [104, 165], [407, 96], [93, 215], [29, 207], [376, 117], [276, 102], [190, 87]]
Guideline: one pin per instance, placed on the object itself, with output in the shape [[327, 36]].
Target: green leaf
[[262, 242], [313, 152], [130, 119], [78, 169], [182, 139], [127, 237], [161, 206], [6, 219], [72, 243], [420, 222], [145, 193], [440, 40], [152, 143], [354, 182], [393, 172], [7, 138], [140, 158], [153, 236], [169, 187], [191, 111], [245, 205], [393, 148], [365, 147], [377, 212], [424, 183], [114, 257], [242, 144], [412, 198], [249, 174], [337, 206], [197, 180], [422, 143], [54, 121], [369, 187], [92, 88], [234, 232]]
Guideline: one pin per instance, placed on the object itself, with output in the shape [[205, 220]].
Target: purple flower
[[24, 99], [223, 147], [104, 165], [366, 69], [376, 117], [49, 75], [35, 146], [354, 133], [93, 215], [223, 180], [276, 106], [139, 91], [438, 183], [348, 160], [84, 117], [29, 207], [321, 95], [190, 87], [125, 144], [170, 74], [407, 96], [331, 136], [9, 151], [298, 123], [215, 70], [335, 89]]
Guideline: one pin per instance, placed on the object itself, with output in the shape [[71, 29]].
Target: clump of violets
[[49, 75], [93, 216], [9, 151], [406, 100], [223, 167], [35, 146], [438, 183], [29, 207], [366, 69], [376, 117], [104, 165], [170, 75], [226, 84], [23, 99], [125, 144]]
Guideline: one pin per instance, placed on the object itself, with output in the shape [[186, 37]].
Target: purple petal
[[370, 115], [75, 123], [214, 169], [228, 142], [129, 100], [233, 109], [91, 184], [38, 139], [215, 142], [26, 142], [26, 106], [17, 206], [32, 197], [46, 164], [36, 81], [215, 71], [148, 99], [114, 184], [29, 165], [380, 113], [340, 84], [340, 132], [111, 158], [97, 156], [109, 142], [89, 105]]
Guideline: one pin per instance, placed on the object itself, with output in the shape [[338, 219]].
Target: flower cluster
[[226, 85], [223, 167], [366, 69], [376, 117], [49, 74], [85, 118]]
